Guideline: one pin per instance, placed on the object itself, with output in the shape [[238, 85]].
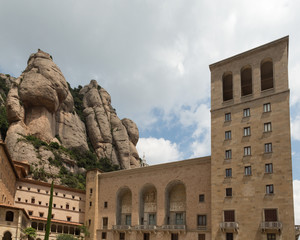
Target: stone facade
[[156, 201], [260, 178], [243, 191]]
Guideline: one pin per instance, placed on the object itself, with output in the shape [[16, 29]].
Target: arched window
[[34, 225], [227, 86], [148, 206], [175, 203], [266, 73], [246, 81], [124, 206], [7, 236], [9, 216]]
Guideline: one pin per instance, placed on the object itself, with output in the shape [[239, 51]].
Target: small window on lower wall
[[201, 198], [201, 236], [229, 236], [146, 236], [271, 236], [122, 236], [103, 235], [174, 236]]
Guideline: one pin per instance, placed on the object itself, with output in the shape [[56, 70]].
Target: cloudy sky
[[152, 56]]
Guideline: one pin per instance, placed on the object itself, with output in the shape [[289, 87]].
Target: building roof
[[56, 221], [251, 51], [14, 207], [200, 160]]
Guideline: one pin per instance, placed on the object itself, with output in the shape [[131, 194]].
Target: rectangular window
[[270, 215], [103, 235], [271, 236], [32, 200], [30, 213], [179, 219], [201, 198], [152, 219], [146, 236], [227, 135], [90, 204], [228, 172], [19, 199], [267, 107], [229, 216], [40, 203], [269, 168], [228, 154], [91, 190], [122, 236], [246, 112], [105, 222], [201, 236], [269, 189], [247, 151], [41, 214], [228, 192], [201, 220], [128, 220], [268, 147], [248, 171], [69, 219], [229, 236], [267, 127], [105, 204], [174, 236], [227, 117], [247, 131], [38, 190]]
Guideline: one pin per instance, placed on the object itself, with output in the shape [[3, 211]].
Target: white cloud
[[158, 151], [295, 128], [296, 184], [201, 148]]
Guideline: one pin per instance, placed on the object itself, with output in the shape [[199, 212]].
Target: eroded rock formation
[[39, 103]]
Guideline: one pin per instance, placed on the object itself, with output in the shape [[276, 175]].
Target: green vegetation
[[3, 122], [66, 237], [29, 233], [78, 98], [49, 213], [3, 86]]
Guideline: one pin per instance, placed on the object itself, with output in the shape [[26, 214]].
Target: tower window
[[268, 147], [267, 127], [247, 151], [227, 87], [248, 171], [269, 189], [246, 112], [227, 135], [269, 168], [228, 172], [228, 192], [228, 154], [246, 81], [247, 131], [267, 107], [201, 198], [266, 72], [227, 117]]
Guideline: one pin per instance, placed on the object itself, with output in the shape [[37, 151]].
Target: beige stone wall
[[15, 227], [7, 178], [40, 192], [249, 192], [193, 174]]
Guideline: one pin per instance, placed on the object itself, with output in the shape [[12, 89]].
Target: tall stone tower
[[251, 167]]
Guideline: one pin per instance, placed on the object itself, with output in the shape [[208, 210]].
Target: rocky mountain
[[62, 131]]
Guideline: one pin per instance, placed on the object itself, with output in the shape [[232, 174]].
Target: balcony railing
[[121, 227], [226, 226], [271, 226], [145, 227], [173, 227]]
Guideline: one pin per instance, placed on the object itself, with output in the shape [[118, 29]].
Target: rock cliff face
[[40, 104]]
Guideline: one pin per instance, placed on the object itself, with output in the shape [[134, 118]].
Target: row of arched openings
[[266, 74], [175, 205], [56, 228]]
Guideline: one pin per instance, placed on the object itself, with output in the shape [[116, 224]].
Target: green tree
[[65, 237], [30, 233], [49, 214], [85, 232]]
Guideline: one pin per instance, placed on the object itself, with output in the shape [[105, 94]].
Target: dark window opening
[[105, 205], [271, 236], [174, 236], [229, 236], [270, 215], [201, 236], [228, 192], [122, 236], [227, 87], [146, 236], [246, 81], [201, 220], [201, 198], [266, 72], [103, 235], [105, 222], [9, 216], [229, 216]]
